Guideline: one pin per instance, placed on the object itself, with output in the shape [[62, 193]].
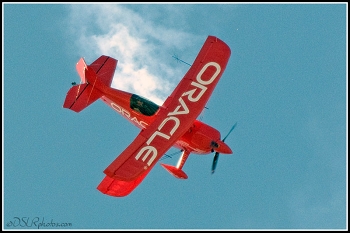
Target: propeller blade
[[216, 156], [215, 161], [229, 132]]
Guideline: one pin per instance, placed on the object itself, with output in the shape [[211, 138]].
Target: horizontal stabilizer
[[81, 96], [178, 173], [104, 68]]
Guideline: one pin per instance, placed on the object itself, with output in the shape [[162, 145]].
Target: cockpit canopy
[[143, 106]]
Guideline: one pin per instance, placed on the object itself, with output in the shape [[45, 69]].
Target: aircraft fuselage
[[142, 112]]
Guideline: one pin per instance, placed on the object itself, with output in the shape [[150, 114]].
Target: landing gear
[[177, 171]]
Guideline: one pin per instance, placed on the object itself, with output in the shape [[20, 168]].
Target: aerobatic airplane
[[162, 127]]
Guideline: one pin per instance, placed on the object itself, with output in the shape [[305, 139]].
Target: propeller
[[216, 156]]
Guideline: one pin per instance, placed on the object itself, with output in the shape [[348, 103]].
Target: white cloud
[[143, 48]]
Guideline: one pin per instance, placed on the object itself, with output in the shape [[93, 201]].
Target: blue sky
[[285, 85]]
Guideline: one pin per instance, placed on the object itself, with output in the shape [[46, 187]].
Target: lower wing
[[119, 188]]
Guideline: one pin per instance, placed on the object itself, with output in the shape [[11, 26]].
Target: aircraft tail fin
[[94, 78]]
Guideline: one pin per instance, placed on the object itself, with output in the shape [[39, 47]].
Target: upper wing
[[175, 117]]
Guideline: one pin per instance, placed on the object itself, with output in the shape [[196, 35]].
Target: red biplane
[[172, 124]]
